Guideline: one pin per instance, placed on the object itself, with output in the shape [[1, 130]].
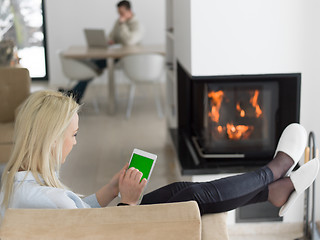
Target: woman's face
[[70, 137]]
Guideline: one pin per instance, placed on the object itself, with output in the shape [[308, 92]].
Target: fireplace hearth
[[232, 123]]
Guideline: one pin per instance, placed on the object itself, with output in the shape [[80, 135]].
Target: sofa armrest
[[214, 226], [160, 221]]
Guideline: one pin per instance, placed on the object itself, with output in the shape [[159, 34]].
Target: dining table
[[110, 53]]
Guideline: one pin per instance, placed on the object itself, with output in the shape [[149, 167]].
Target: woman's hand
[[114, 182], [130, 186], [109, 191]]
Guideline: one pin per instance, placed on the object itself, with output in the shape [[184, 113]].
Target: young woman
[[45, 132]]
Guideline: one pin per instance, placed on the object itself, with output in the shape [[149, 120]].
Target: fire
[[220, 129], [216, 100], [230, 130], [239, 131], [241, 111], [254, 102]]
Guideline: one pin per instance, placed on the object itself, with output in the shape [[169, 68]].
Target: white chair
[[144, 69], [76, 70]]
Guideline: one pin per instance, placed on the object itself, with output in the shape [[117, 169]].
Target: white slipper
[[301, 179], [293, 142]]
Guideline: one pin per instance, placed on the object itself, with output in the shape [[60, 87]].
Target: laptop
[[96, 38]]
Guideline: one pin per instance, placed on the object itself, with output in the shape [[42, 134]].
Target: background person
[[126, 31]]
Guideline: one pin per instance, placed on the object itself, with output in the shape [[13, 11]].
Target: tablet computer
[[143, 161]]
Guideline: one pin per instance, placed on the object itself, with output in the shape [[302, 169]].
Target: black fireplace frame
[[191, 162]]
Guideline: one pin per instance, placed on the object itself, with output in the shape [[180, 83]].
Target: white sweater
[[27, 193], [127, 33]]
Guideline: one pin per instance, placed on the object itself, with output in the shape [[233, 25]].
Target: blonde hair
[[38, 139]]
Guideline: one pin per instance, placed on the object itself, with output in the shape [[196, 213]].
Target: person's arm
[[112, 33], [105, 195], [131, 33], [110, 191], [128, 182]]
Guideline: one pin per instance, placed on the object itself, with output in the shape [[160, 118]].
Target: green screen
[[141, 163]]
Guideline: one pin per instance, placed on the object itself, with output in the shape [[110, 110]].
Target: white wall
[[258, 37], [67, 19], [248, 36], [310, 106], [182, 32]]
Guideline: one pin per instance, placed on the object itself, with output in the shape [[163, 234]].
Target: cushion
[[5, 152], [6, 130], [14, 89]]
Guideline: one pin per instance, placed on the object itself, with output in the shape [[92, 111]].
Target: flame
[[254, 102], [242, 112], [220, 129], [239, 131], [216, 100], [231, 131]]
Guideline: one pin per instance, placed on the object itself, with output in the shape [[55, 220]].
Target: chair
[[144, 69], [14, 89], [76, 70]]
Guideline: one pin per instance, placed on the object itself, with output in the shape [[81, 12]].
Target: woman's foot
[[301, 180], [279, 191], [280, 165], [289, 150], [286, 191]]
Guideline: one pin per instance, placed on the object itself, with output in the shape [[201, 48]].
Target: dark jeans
[[80, 88], [219, 195], [100, 63]]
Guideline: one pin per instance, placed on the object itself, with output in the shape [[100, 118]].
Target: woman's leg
[[163, 194], [227, 193], [216, 196]]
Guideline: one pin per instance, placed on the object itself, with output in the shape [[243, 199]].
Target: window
[[23, 22]]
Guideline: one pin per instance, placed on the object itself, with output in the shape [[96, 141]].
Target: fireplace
[[236, 119], [233, 123]]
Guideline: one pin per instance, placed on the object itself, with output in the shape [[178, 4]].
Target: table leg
[[111, 87]]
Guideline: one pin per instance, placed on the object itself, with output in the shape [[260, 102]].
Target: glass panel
[[22, 22], [239, 117]]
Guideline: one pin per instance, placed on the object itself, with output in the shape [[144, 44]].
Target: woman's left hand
[[114, 182]]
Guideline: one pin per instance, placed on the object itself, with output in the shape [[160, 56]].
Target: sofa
[[161, 221], [14, 89]]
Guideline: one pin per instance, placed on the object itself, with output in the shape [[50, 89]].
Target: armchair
[[14, 89]]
